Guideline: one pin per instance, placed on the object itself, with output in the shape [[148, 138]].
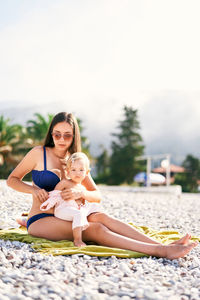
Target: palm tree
[[37, 129], [10, 137]]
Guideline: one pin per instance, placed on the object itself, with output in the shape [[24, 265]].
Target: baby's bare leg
[[77, 234]]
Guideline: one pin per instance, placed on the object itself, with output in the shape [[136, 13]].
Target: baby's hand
[[80, 201]]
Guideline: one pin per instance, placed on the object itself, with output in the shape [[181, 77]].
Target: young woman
[[63, 139]]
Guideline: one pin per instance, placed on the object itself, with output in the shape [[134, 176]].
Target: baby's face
[[77, 171]]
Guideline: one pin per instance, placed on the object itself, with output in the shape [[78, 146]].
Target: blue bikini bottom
[[37, 217]]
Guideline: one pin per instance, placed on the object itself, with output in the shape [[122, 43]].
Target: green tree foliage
[[188, 179], [102, 166], [84, 140], [37, 129], [125, 148], [10, 136], [16, 141]]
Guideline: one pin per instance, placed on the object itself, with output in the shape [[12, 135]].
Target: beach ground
[[25, 274]]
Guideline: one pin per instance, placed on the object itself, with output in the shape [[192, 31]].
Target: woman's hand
[[72, 194], [40, 194]]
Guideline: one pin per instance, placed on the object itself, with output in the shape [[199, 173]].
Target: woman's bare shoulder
[[37, 150], [34, 154], [28, 163]]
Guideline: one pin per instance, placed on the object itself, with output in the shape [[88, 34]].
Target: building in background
[[174, 169]]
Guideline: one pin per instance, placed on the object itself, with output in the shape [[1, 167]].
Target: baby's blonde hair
[[78, 156]]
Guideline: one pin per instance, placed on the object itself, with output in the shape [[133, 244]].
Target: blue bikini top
[[45, 179]]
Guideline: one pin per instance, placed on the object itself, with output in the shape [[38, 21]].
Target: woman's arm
[[91, 194], [27, 164]]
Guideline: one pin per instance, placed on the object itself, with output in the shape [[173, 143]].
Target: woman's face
[[62, 135]]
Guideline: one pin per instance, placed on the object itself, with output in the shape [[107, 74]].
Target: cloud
[[67, 50], [170, 123], [94, 57]]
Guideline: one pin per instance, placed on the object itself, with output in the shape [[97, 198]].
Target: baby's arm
[[63, 184]]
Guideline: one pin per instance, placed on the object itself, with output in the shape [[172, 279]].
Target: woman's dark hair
[[71, 120]]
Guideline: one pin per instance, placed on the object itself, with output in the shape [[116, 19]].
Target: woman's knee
[[94, 232], [97, 217], [98, 229]]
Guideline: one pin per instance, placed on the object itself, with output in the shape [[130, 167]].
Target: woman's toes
[[184, 240], [22, 221]]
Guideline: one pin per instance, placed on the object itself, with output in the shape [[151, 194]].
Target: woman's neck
[[60, 153]]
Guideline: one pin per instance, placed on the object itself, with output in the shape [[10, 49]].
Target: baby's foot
[[184, 240], [22, 221], [79, 243], [174, 251]]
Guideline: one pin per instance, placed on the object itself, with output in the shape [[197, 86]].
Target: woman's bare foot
[[22, 221], [79, 243], [174, 251], [184, 240]]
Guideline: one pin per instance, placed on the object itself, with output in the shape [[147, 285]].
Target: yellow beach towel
[[65, 247]]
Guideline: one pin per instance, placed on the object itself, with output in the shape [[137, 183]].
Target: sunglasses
[[66, 136]]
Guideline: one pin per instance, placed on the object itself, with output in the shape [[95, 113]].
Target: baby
[[76, 211]]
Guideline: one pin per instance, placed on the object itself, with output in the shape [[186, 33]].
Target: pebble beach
[[25, 274]]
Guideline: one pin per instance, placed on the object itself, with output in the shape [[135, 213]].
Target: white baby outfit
[[70, 210]]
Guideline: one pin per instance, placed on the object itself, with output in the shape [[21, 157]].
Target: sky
[[93, 57]]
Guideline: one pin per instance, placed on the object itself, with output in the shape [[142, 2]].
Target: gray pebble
[[25, 274]]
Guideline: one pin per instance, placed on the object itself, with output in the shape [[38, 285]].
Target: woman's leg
[[56, 229], [52, 228], [127, 230], [103, 236], [120, 227]]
